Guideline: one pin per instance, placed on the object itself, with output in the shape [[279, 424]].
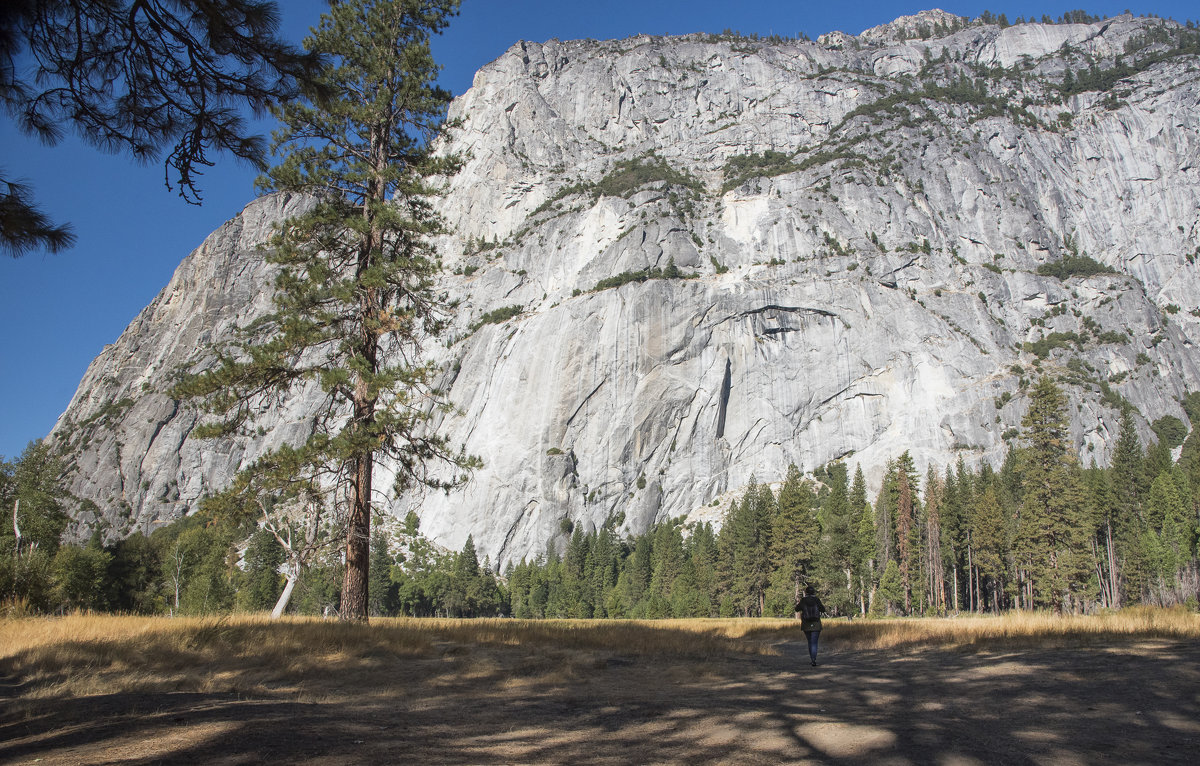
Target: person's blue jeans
[[813, 635]]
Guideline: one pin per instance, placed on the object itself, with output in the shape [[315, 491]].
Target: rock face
[[862, 221]]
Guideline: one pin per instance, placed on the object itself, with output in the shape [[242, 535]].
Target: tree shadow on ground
[[538, 705]]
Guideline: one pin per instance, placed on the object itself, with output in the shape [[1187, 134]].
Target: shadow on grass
[[464, 703]]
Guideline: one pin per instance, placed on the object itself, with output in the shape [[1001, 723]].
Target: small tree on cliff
[[355, 293]]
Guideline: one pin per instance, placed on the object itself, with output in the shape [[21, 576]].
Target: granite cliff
[[685, 262]]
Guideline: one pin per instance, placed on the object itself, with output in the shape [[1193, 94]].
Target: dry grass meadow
[[1122, 687]]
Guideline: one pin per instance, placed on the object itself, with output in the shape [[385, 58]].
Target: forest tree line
[[1039, 532]]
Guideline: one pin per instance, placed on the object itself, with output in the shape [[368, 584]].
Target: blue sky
[[58, 311]]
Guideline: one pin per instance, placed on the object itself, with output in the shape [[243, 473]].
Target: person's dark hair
[[810, 591]]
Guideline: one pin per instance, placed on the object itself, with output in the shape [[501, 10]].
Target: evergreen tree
[[1052, 531], [1103, 505], [864, 557], [606, 568], [577, 596], [794, 539], [905, 532], [837, 540], [891, 587], [356, 271], [261, 584], [988, 544], [667, 567], [1129, 486], [1158, 459], [381, 600], [749, 548], [1171, 535], [640, 570], [885, 516], [134, 580], [955, 529], [1189, 458], [858, 492], [702, 555], [421, 575], [935, 579], [465, 586]]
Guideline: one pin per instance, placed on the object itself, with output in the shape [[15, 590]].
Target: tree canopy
[[140, 76]]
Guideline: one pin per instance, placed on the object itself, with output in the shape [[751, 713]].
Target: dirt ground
[[470, 705]]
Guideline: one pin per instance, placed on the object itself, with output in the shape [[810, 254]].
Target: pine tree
[[382, 593], [934, 562], [1052, 532], [1103, 504], [891, 588], [640, 570], [1171, 534], [837, 539], [955, 521], [261, 585], [667, 566], [794, 540], [904, 535], [462, 597], [1130, 486], [356, 271], [865, 555], [702, 555], [744, 547], [885, 516], [988, 542]]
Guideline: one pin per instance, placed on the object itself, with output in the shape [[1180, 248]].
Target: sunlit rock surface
[[873, 296]]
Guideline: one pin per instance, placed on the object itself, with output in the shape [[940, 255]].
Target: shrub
[[625, 277], [1073, 266], [497, 316], [627, 176], [744, 167], [1042, 348]]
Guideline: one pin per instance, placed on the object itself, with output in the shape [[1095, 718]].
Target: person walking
[[809, 608]]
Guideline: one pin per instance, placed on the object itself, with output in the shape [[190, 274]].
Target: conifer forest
[[1042, 531]]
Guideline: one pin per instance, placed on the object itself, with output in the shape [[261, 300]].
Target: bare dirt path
[[511, 705]]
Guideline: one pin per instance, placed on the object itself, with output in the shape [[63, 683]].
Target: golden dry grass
[[83, 689], [93, 654], [82, 655], [1017, 630]]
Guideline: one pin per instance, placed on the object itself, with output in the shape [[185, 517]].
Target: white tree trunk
[[292, 576]]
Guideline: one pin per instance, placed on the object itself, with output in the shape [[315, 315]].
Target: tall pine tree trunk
[[358, 543], [358, 533]]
